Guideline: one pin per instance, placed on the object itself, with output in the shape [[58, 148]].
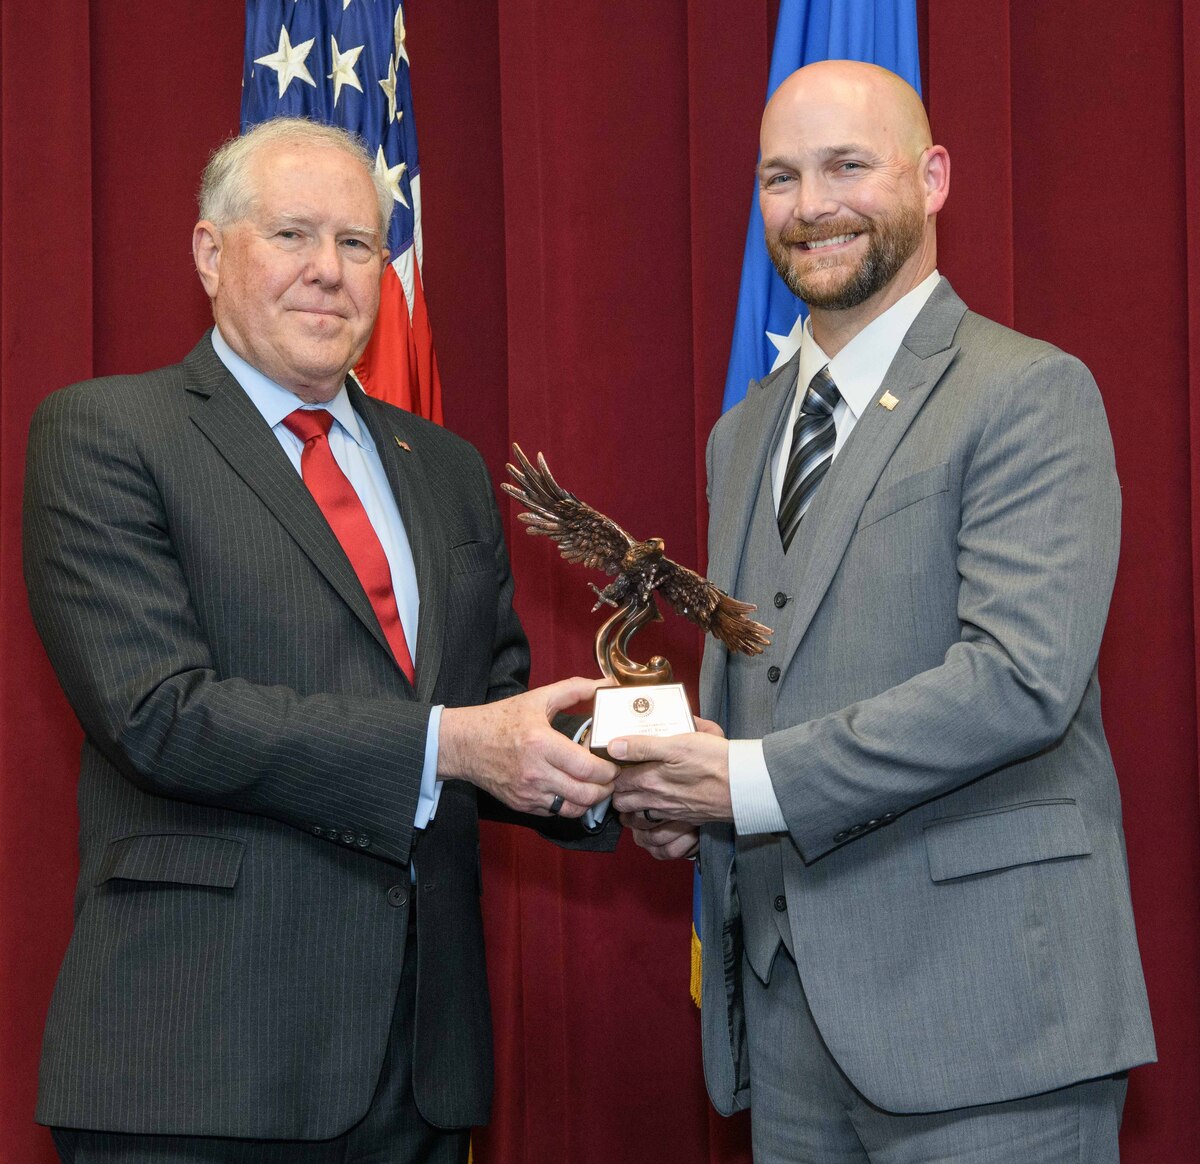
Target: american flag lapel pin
[[888, 401], [403, 444]]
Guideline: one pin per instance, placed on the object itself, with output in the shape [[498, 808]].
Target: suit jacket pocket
[[909, 491], [471, 557], [1018, 834], [182, 858]]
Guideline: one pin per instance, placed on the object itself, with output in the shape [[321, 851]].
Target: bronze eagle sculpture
[[591, 539]]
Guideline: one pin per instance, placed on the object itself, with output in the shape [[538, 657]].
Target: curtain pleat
[[45, 341]]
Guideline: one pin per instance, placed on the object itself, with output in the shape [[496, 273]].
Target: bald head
[[849, 186], [884, 100]]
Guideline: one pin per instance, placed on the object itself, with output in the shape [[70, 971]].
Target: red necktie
[[349, 522]]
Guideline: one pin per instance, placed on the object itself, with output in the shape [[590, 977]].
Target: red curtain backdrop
[[586, 177]]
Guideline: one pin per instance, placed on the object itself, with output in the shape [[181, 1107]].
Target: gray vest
[[765, 577]]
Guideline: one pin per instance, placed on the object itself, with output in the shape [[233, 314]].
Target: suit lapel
[[227, 416], [829, 524], [758, 417], [407, 474]]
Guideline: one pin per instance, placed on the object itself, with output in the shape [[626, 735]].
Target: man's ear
[[206, 250], [935, 173]]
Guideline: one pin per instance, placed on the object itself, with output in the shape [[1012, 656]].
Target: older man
[[918, 937], [282, 612]]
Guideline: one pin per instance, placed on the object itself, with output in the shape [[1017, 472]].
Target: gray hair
[[226, 194]]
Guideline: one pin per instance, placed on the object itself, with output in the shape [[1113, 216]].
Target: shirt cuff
[[755, 805], [431, 786], [593, 818]]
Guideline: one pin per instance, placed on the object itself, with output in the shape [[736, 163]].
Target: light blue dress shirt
[[354, 450]]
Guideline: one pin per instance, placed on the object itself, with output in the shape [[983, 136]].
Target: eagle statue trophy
[[591, 539]]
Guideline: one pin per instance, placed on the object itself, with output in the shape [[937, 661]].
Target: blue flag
[[882, 32], [769, 317]]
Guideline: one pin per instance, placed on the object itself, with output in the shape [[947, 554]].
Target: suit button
[[317, 831], [888, 816], [781, 600], [840, 837], [397, 896], [872, 824], [347, 838], [780, 903], [363, 842], [773, 674]]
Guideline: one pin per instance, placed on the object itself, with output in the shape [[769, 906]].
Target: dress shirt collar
[[276, 402], [859, 368]]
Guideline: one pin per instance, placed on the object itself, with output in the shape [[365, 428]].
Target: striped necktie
[[811, 454]]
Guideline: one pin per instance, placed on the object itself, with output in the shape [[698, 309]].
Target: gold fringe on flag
[[695, 967]]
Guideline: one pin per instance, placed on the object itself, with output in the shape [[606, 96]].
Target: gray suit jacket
[[954, 864], [252, 765]]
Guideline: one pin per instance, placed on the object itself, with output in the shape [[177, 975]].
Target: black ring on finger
[[652, 819], [555, 805]]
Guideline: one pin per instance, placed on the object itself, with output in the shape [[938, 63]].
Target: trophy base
[[653, 710]]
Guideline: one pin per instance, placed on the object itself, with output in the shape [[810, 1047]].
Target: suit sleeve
[[1036, 556], [112, 604]]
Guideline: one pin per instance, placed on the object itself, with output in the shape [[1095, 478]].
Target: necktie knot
[[307, 423], [822, 395]]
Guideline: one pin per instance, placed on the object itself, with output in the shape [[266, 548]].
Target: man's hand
[[509, 749], [662, 839], [683, 778]]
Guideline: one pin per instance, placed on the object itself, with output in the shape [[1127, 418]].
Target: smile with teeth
[[836, 240]]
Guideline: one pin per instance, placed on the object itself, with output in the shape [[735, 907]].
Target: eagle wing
[[583, 535], [711, 608]]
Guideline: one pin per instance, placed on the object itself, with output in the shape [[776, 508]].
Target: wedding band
[[555, 805], [651, 819]]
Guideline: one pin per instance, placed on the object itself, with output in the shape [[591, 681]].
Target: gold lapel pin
[[888, 401], [403, 444]]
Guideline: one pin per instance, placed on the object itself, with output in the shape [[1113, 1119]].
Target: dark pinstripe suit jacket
[[252, 764]]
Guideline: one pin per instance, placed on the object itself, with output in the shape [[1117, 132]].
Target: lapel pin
[[403, 444], [888, 401]]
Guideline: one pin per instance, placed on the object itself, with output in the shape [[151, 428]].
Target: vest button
[[780, 903], [781, 600], [773, 674], [397, 896]]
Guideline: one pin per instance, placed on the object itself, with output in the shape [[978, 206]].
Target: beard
[[891, 241]]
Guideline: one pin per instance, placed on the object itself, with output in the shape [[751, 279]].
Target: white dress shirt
[[858, 371]]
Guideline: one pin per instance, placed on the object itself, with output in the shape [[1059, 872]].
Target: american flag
[[345, 62]]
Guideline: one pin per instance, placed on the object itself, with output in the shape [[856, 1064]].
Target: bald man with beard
[[919, 944]]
